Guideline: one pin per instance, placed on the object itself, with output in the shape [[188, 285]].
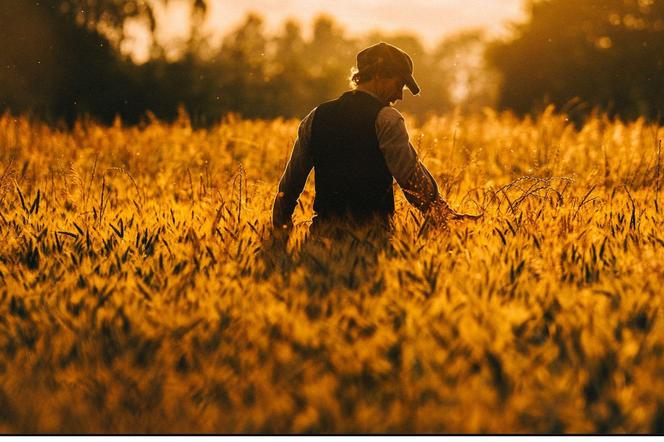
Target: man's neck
[[368, 91]]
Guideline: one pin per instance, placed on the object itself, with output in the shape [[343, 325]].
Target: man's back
[[351, 177], [357, 145]]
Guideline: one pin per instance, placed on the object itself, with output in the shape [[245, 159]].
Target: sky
[[431, 20]]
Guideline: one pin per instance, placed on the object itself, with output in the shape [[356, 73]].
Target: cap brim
[[412, 84]]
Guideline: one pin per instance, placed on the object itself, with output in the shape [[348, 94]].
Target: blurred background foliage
[[578, 54], [63, 58]]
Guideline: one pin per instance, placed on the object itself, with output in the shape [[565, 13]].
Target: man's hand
[[440, 213], [456, 216]]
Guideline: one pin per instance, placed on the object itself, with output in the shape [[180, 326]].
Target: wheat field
[[141, 292]]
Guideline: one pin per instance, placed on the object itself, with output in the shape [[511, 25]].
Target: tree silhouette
[[607, 53], [62, 59], [288, 71], [330, 55]]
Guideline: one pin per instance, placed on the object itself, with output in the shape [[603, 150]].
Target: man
[[357, 145]]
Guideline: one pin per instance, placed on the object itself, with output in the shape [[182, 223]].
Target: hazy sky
[[431, 19]]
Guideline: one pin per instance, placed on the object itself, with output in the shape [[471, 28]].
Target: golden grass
[[140, 292]]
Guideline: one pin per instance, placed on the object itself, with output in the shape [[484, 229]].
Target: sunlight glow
[[429, 20]]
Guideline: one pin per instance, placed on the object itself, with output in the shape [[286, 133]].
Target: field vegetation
[[140, 289]]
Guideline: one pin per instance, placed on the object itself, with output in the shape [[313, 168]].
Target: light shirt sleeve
[[295, 176], [416, 182]]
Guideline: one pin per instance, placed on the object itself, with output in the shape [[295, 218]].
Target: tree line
[[61, 59], [582, 55]]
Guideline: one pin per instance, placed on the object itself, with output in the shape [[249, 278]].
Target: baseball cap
[[389, 56]]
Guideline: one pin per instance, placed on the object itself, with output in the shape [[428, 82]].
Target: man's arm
[[417, 183], [415, 180], [295, 177]]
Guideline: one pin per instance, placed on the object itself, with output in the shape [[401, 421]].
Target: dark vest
[[352, 179]]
